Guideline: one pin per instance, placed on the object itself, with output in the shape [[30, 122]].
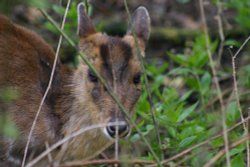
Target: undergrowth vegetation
[[185, 100]]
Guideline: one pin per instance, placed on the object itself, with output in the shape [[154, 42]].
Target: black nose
[[122, 129]]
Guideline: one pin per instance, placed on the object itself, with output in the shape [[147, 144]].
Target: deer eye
[[137, 78], [92, 76]]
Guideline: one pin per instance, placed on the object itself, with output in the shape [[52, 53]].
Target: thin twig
[[224, 126], [187, 157], [242, 46], [238, 99], [222, 152], [221, 31], [114, 97], [146, 80], [50, 160], [47, 89], [106, 162]]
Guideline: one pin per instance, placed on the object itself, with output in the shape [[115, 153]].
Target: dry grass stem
[[48, 87], [184, 152], [66, 139], [50, 160], [107, 162], [218, 89], [244, 124], [221, 31], [241, 47], [222, 152]]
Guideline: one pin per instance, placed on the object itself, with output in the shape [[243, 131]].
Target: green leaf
[[58, 9], [217, 142], [205, 83], [199, 56], [172, 131], [187, 141], [155, 70], [173, 112], [180, 71], [186, 95], [233, 113], [51, 28], [187, 112], [235, 151], [178, 58], [193, 83], [39, 4], [238, 161], [135, 137], [149, 127], [232, 42]]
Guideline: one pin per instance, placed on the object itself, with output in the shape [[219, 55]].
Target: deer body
[[76, 99]]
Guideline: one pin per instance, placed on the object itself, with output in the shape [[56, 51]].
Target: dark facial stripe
[[104, 51], [127, 54], [105, 54], [116, 55]]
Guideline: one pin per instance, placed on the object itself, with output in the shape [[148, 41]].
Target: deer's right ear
[[85, 25], [140, 24]]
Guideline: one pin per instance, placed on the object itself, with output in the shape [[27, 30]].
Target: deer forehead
[[110, 54]]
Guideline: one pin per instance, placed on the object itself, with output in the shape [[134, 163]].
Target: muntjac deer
[[77, 99]]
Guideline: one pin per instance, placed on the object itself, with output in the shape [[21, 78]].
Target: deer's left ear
[[85, 25], [140, 24]]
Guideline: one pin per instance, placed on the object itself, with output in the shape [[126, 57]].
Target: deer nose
[[122, 129]]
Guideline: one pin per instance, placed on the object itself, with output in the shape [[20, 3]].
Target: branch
[[107, 162], [222, 152], [245, 128], [216, 81]]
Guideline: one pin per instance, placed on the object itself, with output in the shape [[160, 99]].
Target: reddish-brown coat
[[74, 101]]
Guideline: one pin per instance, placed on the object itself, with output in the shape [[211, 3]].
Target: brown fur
[[74, 101]]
